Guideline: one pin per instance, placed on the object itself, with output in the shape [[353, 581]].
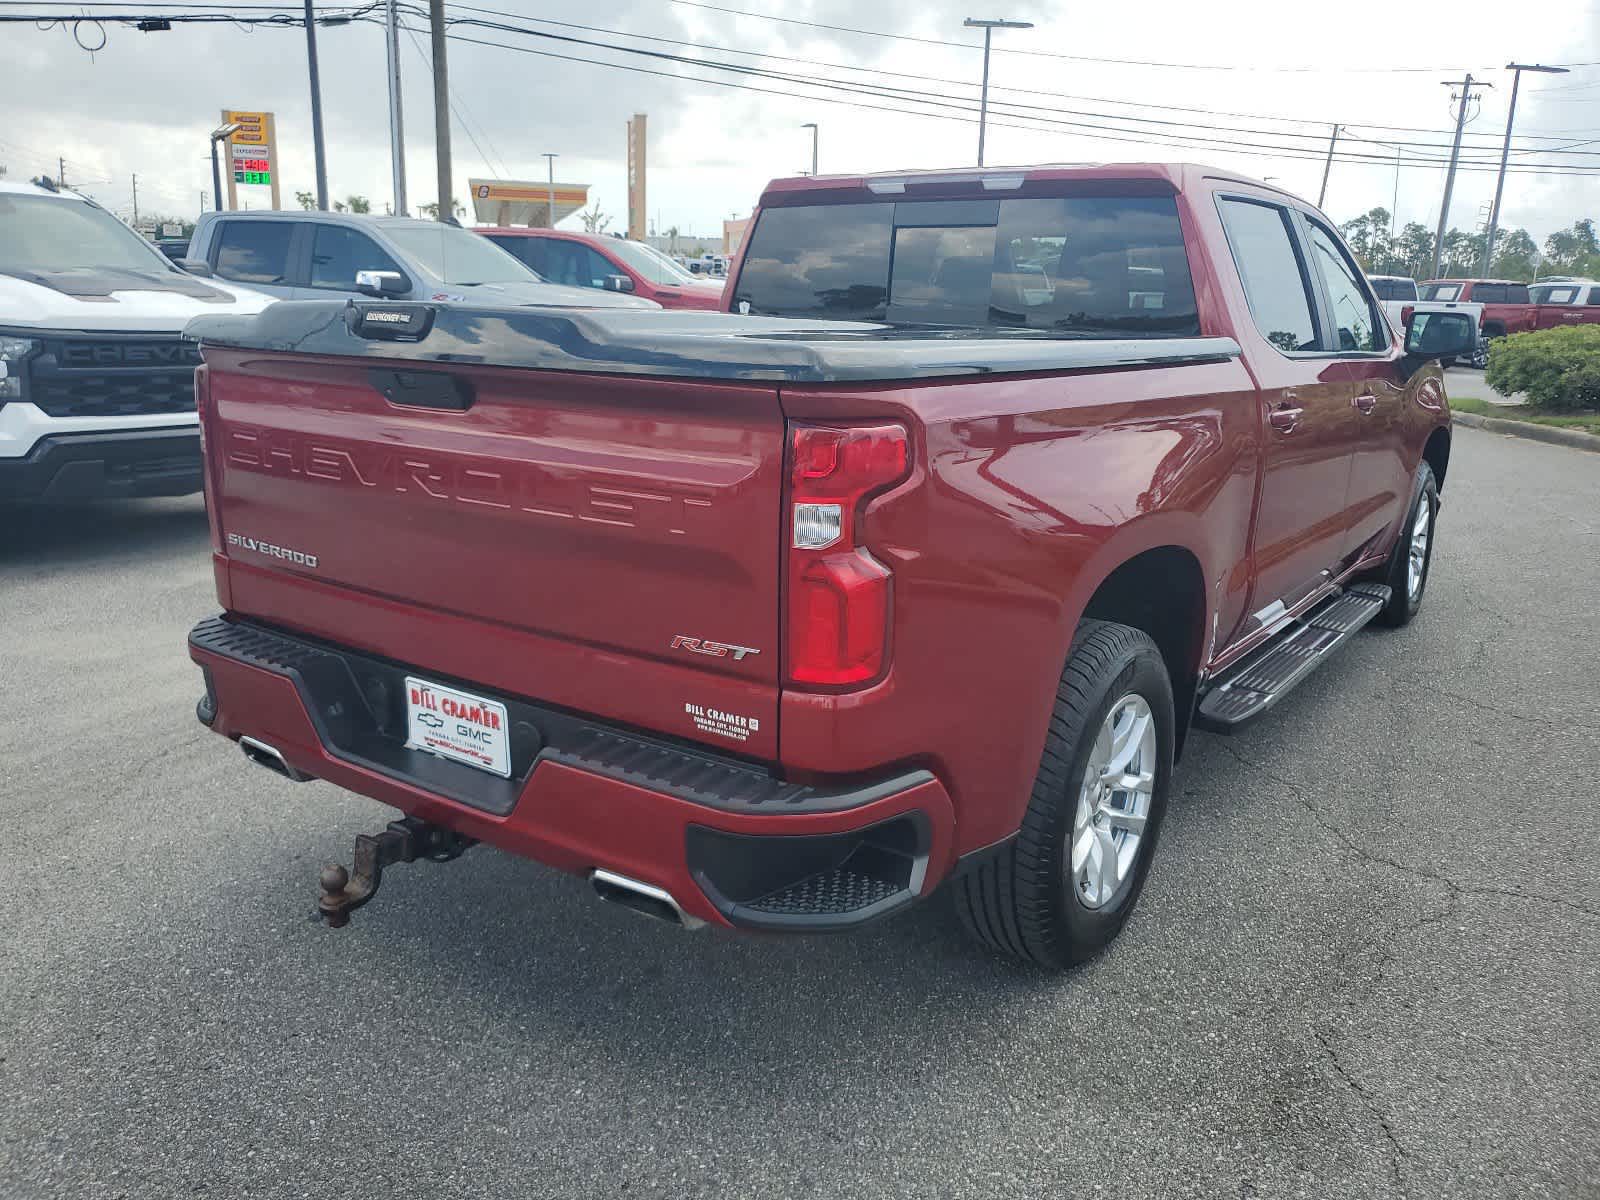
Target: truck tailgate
[[544, 533]]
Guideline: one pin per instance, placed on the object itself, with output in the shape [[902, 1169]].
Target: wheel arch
[[1436, 453], [1160, 590]]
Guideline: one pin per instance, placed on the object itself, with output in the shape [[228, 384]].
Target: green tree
[[1515, 254], [431, 211], [1463, 253], [307, 200], [1572, 251], [358, 204], [594, 219], [1414, 250], [1368, 236]]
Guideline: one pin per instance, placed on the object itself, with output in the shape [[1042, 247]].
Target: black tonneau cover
[[701, 345]]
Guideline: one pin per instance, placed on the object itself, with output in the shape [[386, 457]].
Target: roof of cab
[[1178, 176]]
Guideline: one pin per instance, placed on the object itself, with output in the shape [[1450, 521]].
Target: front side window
[[452, 255], [338, 253], [254, 251], [575, 265], [1356, 323], [1274, 283], [1594, 295], [1442, 291], [1087, 266]]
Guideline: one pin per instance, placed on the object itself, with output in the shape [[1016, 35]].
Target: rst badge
[[713, 649]]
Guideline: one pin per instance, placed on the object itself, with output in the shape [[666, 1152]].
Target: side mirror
[[1445, 336], [380, 283], [617, 283], [195, 266]]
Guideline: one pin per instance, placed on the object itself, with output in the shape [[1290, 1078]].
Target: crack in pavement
[[1397, 1151], [1372, 856]]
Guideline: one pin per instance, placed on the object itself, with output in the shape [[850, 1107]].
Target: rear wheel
[[1069, 881]]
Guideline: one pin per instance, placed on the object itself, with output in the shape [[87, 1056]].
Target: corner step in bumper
[[1264, 678]]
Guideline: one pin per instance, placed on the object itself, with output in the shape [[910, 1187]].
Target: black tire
[[1396, 574], [1021, 901]]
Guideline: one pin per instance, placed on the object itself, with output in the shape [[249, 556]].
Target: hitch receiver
[[402, 841]]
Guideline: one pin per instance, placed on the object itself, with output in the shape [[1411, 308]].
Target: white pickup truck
[[96, 386], [1398, 296]]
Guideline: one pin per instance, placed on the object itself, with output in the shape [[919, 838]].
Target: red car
[[609, 263], [920, 573]]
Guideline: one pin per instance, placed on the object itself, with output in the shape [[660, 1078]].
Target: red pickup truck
[[1507, 307], [918, 572], [1565, 302]]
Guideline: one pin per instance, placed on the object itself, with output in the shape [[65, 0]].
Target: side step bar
[[1261, 680]]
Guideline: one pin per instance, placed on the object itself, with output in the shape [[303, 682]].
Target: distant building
[[733, 234]]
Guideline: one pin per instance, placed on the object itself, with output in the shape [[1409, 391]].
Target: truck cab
[[1562, 302]]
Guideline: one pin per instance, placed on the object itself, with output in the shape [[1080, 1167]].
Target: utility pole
[[397, 131], [136, 201], [441, 109], [1466, 86], [1327, 167], [61, 168], [1394, 208], [812, 125], [317, 147], [988, 28], [1505, 152], [550, 161]]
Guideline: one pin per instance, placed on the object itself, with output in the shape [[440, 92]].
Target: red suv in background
[[609, 263]]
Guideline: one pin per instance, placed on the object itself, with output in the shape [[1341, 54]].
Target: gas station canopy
[[521, 202]]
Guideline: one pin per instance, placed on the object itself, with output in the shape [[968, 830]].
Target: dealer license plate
[[457, 725]]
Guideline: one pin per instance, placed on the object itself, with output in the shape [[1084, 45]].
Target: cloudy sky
[[1245, 84]]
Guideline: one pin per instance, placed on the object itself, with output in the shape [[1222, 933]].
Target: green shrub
[[1559, 369]]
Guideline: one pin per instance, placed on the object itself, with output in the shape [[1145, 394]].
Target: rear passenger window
[[254, 251], [1488, 293], [1594, 295], [338, 253], [1108, 266], [1356, 323], [1274, 281], [1515, 293]]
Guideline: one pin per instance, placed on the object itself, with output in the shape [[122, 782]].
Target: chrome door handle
[[1286, 417], [1365, 402]]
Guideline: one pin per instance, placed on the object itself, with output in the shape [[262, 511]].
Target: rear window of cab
[[1089, 266]]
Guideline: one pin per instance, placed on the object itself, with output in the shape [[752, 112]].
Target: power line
[[930, 100], [1119, 62], [1041, 125]]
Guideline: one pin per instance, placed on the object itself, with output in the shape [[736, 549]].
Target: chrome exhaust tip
[[641, 898], [271, 758]]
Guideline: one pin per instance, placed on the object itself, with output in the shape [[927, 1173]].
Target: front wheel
[[1069, 881], [1412, 557]]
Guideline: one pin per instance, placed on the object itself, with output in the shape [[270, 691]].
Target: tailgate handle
[[422, 389]]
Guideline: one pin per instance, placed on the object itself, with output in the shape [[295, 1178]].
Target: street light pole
[[812, 125], [1505, 152], [988, 27], [316, 111], [550, 160], [441, 110], [1450, 176], [221, 134]]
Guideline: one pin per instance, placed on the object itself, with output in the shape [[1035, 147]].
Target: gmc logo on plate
[[714, 649]]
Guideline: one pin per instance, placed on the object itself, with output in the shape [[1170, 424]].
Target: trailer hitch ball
[[342, 891]]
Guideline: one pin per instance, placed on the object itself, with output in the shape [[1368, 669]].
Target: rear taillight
[[838, 599]]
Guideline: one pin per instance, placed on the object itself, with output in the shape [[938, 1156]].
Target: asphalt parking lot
[[1368, 962]]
